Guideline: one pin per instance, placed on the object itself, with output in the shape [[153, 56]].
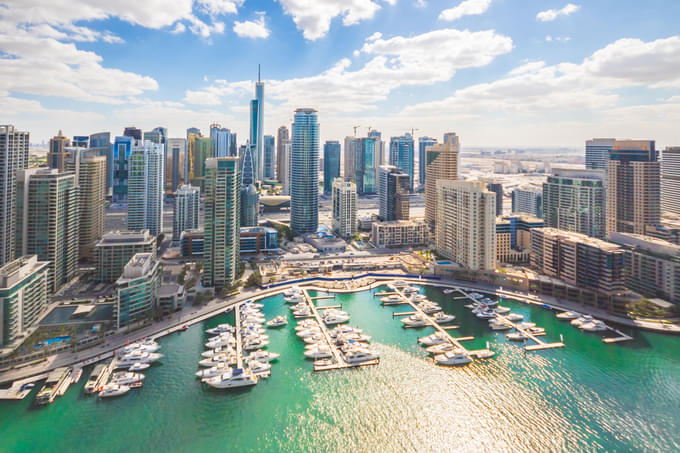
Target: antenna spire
[[258, 72]]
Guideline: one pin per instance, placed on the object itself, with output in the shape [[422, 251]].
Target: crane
[[413, 132], [369, 130], [355, 129]]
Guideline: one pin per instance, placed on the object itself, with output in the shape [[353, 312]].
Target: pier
[[15, 392], [239, 339], [621, 336]]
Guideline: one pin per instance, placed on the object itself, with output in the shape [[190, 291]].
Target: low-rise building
[[399, 233], [326, 242], [137, 290], [192, 242], [513, 237], [116, 248], [258, 239], [171, 298]]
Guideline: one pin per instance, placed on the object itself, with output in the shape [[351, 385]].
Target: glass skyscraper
[[401, 155], [423, 143], [304, 172], [222, 141], [122, 147], [256, 127], [331, 164], [365, 171], [145, 198], [597, 153], [13, 157], [269, 158]]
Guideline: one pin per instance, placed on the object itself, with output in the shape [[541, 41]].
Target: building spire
[[258, 72]]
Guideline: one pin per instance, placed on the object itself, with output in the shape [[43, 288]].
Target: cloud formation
[[552, 14], [252, 28], [466, 8]]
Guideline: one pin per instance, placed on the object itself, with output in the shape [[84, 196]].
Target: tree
[[254, 279]]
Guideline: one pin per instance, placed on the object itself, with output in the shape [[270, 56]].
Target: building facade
[[394, 202], [250, 206], [122, 147], [441, 163], [136, 290], [344, 208], [528, 200], [222, 141], [116, 248], [401, 155], [349, 154], [331, 164], [187, 208], [258, 239], [282, 135], [13, 157], [597, 153], [304, 172], [670, 180], [269, 158], [58, 154], [423, 144], [399, 233], [365, 171], [513, 237], [146, 194]]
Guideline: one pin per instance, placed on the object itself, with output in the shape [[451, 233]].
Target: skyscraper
[[222, 221], [344, 208], [122, 147], [528, 200], [284, 171], [250, 206], [101, 141], [282, 136], [199, 150], [47, 221], [331, 164], [379, 148], [174, 164], [441, 162], [257, 127], [365, 171], [269, 158], [187, 204], [157, 135], [633, 186], [192, 132], [401, 155], [145, 198], [670, 180], [350, 152], [133, 132], [13, 157], [423, 144], [393, 194], [248, 165], [57, 154], [90, 170], [304, 172], [222, 141], [497, 188], [597, 153], [466, 223], [574, 200]]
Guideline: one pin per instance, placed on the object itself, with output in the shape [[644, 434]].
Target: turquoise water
[[589, 396]]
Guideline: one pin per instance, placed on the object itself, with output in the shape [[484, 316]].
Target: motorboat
[[263, 356], [137, 357], [360, 355], [217, 351], [485, 314], [595, 326], [110, 390], [484, 353], [259, 367], [324, 362], [335, 318], [434, 339], [568, 315], [319, 352], [236, 378], [251, 304], [489, 302], [222, 328], [536, 331], [415, 321], [411, 289], [429, 307], [292, 299], [132, 347], [290, 292], [126, 378], [304, 313], [525, 325], [221, 358], [443, 318], [347, 337], [255, 344], [585, 319], [419, 297], [313, 339], [344, 330], [440, 348], [259, 319], [299, 306], [453, 358], [225, 339], [77, 374], [499, 325], [392, 299], [476, 296], [306, 324], [514, 317], [516, 336], [501, 310], [277, 322], [139, 366], [448, 290], [216, 370], [308, 332]]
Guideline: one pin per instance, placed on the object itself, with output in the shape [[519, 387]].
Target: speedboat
[[110, 390], [292, 299], [277, 322], [484, 353], [452, 358], [299, 306], [440, 348], [516, 336], [360, 355], [236, 378], [568, 315], [216, 370], [303, 313], [335, 318], [486, 314], [347, 337], [443, 318], [306, 324], [139, 366], [263, 356], [411, 290], [514, 317], [489, 302], [319, 352], [126, 378], [259, 367], [222, 328], [501, 309], [137, 357], [217, 351], [434, 339], [499, 325], [595, 326], [255, 344], [448, 291], [415, 321], [536, 331], [585, 319], [221, 358]]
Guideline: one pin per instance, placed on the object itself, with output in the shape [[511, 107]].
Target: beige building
[[344, 208], [116, 248], [399, 233], [57, 155], [441, 163], [466, 223]]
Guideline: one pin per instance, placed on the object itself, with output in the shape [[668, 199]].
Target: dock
[[621, 337], [328, 307], [332, 296], [239, 339], [15, 392], [404, 313]]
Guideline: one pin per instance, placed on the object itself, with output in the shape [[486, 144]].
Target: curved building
[[304, 172], [250, 206]]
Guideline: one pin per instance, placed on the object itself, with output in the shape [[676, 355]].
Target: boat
[[335, 318], [217, 351], [76, 375], [434, 339], [347, 337], [250, 304], [136, 385], [525, 325], [440, 348], [277, 322], [324, 362], [143, 347], [568, 315], [502, 310], [304, 313], [536, 331], [221, 358], [222, 340], [53, 385], [255, 344], [360, 355], [313, 339], [126, 378], [138, 357], [91, 384], [499, 325], [222, 328], [139, 366], [399, 284], [516, 336], [343, 330], [262, 356], [110, 390], [415, 321], [448, 291], [216, 370], [453, 358], [429, 307], [290, 292], [306, 324], [443, 318], [476, 296], [484, 353], [392, 299], [411, 289], [319, 352], [299, 306], [259, 367], [184, 328], [419, 297], [308, 332], [595, 326], [514, 317], [236, 378], [585, 319], [485, 314]]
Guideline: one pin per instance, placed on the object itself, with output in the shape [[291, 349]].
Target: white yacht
[[263, 356], [585, 319], [485, 314], [255, 344], [252, 329], [489, 302], [147, 346], [419, 297], [236, 378], [359, 355], [313, 339], [225, 339], [344, 330], [319, 352], [452, 358], [429, 307], [434, 339], [216, 370], [536, 331], [594, 326], [110, 390], [415, 321], [392, 299], [411, 289], [308, 332], [514, 317], [220, 358], [440, 348], [516, 336], [303, 313], [251, 304], [476, 296], [448, 290], [335, 318], [443, 318], [137, 357], [347, 337], [139, 366], [221, 350], [568, 315], [277, 322], [259, 367], [306, 324], [290, 292], [222, 328], [499, 325], [502, 310], [525, 325], [399, 284], [126, 378]]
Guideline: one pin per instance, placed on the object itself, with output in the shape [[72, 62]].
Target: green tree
[[254, 279]]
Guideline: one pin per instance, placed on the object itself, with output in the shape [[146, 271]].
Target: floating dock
[[239, 342], [621, 337]]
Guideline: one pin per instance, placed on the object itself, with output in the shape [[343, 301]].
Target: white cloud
[[552, 14], [252, 29], [466, 8], [219, 7], [550, 38], [314, 17]]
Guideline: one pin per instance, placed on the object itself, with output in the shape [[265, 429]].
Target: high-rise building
[[222, 141], [513, 237], [466, 223], [23, 297], [199, 150], [222, 222], [187, 204], [574, 200], [401, 155], [257, 128], [441, 162], [248, 165], [379, 148], [331, 164], [47, 221], [282, 136], [80, 141], [284, 159], [351, 145], [393, 194], [13, 157], [670, 180], [597, 153], [90, 170], [423, 144], [122, 147], [528, 200], [497, 188], [174, 164], [250, 206], [136, 290], [157, 135], [115, 250], [344, 207], [269, 158], [304, 172], [101, 142], [633, 186], [145, 199], [365, 170], [57, 153], [133, 132]]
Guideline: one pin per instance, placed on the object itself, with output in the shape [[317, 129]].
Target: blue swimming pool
[[50, 341]]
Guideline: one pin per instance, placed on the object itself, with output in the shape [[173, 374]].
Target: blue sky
[[497, 72]]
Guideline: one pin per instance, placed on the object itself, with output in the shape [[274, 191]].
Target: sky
[[499, 73]]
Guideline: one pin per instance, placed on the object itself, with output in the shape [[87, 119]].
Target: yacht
[[415, 321], [147, 347], [347, 337], [295, 298], [277, 322], [221, 358], [299, 306], [411, 289], [451, 358], [304, 313], [308, 332], [568, 315], [255, 344], [313, 339], [250, 304], [319, 352], [476, 296], [516, 336], [110, 390], [514, 317], [344, 330], [595, 326], [225, 339], [54, 383], [137, 357], [585, 319], [263, 356], [222, 328], [259, 367], [399, 284], [139, 366], [419, 297], [290, 292], [502, 310], [434, 339], [429, 307], [236, 378], [306, 324], [126, 378], [335, 318], [90, 385], [448, 290], [360, 355], [485, 314], [216, 370], [536, 331], [440, 348], [489, 302], [525, 325], [484, 353], [217, 351], [499, 325], [392, 299], [443, 318]]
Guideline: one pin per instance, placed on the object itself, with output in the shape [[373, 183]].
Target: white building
[[13, 157], [145, 188], [187, 203], [528, 200], [344, 208], [670, 180], [399, 233]]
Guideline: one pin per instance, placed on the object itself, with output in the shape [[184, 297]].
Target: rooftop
[[580, 238], [125, 237], [15, 271], [138, 266]]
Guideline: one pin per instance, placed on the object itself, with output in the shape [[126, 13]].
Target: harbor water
[[588, 396]]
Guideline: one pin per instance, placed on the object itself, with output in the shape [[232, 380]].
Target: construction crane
[[369, 130], [413, 132], [355, 129]]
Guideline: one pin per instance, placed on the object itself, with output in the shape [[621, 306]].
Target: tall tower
[[13, 157], [344, 208], [597, 153], [222, 223], [282, 136], [351, 144], [393, 194], [304, 172], [269, 158], [401, 155], [366, 151], [57, 154], [423, 144], [257, 127], [250, 206], [331, 164], [441, 163], [145, 199], [174, 164], [670, 180], [187, 203]]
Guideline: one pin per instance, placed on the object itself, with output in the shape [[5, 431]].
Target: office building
[[47, 221], [58, 153], [528, 200], [670, 180], [376, 136], [399, 233], [331, 164], [192, 243], [597, 153], [441, 163], [350, 152], [284, 171], [174, 164], [248, 165], [393, 194], [304, 172], [157, 135], [199, 151], [365, 159], [13, 157], [250, 206], [258, 239], [187, 207], [145, 198], [466, 224], [257, 128], [80, 141], [633, 186], [282, 136], [344, 208], [122, 147], [222, 142], [574, 200], [133, 133], [222, 221], [579, 260], [423, 144], [116, 248], [136, 290], [513, 237], [401, 155], [23, 297], [90, 170], [269, 158], [101, 142]]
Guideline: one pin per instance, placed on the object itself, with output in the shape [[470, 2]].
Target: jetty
[[17, 391], [239, 339]]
